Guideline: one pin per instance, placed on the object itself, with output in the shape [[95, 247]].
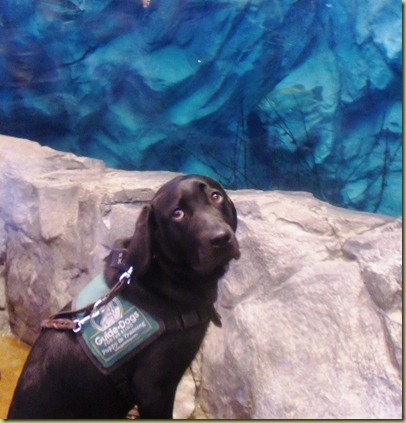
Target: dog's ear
[[232, 213], [140, 249]]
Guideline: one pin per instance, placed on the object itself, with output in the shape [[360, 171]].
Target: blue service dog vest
[[119, 331]]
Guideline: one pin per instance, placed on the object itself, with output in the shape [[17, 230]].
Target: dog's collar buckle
[[118, 258]]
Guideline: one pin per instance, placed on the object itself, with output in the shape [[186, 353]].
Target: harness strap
[[193, 318]]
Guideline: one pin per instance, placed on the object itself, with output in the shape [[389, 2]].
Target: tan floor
[[13, 354]]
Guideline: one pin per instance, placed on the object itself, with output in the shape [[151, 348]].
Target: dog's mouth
[[210, 259]]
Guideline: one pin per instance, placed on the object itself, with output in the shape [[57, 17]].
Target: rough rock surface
[[312, 315], [61, 215], [311, 311]]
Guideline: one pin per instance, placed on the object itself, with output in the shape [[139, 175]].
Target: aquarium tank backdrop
[[267, 94]]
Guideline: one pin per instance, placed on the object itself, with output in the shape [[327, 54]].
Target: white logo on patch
[[109, 314]]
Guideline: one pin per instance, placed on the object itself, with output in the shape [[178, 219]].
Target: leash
[[61, 321]]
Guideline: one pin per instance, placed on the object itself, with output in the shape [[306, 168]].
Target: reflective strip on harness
[[120, 330]]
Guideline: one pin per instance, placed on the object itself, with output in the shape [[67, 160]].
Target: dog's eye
[[216, 197], [178, 214]]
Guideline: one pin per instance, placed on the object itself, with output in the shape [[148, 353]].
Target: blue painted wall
[[269, 94]]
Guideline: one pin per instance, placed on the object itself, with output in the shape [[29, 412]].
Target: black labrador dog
[[182, 244]]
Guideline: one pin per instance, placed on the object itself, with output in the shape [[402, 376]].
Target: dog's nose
[[220, 239]]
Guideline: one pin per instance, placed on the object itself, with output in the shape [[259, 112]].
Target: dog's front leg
[[158, 404]]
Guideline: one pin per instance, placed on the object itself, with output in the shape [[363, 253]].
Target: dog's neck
[[181, 284], [174, 282]]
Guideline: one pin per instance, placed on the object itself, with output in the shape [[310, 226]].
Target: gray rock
[[311, 315], [311, 312], [62, 214], [4, 318]]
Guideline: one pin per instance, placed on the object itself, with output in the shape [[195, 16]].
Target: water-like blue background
[[269, 94]]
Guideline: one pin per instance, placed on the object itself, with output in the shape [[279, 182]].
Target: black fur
[[178, 257]]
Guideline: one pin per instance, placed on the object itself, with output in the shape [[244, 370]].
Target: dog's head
[[189, 226]]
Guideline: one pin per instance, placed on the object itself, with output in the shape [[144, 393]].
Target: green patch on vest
[[120, 330]]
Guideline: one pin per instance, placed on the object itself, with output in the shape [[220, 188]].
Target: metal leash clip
[[95, 312], [126, 276], [98, 306]]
